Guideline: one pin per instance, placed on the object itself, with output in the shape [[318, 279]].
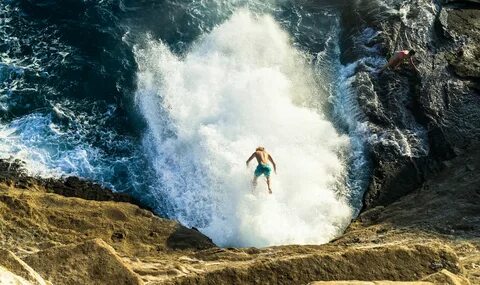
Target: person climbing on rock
[[263, 167], [398, 58]]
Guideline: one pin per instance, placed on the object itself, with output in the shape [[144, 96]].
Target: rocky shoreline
[[47, 237], [420, 221], [13, 174], [441, 100], [432, 234]]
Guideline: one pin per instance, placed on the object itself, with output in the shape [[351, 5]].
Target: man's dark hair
[[411, 52]]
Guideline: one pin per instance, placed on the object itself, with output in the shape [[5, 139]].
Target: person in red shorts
[[398, 58]]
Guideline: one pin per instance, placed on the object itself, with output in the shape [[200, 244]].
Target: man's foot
[[270, 191]]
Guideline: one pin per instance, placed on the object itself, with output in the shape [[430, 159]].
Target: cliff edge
[[431, 234]]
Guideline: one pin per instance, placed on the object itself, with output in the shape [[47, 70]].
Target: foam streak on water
[[50, 150], [240, 86]]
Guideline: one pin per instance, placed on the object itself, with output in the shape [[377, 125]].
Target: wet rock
[[76, 187], [416, 119], [393, 177], [464, 25], [465, 2], [12, 172]]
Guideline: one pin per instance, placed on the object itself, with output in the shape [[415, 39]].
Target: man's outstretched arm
[[250, 158], [273, 162]]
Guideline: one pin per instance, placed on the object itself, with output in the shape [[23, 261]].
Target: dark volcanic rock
[[393, 179], [416, 119], [185, 238], [464, 25], [467, 2], [12, 173], [76, 187]]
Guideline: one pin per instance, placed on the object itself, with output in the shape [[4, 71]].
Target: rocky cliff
[[431, 234], [420, 222], [419, 118]]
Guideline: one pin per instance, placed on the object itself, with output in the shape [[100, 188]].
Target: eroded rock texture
[[76, 241], [416, 119], [430, 235]]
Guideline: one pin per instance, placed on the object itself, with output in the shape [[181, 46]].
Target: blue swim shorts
[[265, 169]]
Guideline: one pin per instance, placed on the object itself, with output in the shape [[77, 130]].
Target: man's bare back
[[261, 156], [263, 168]]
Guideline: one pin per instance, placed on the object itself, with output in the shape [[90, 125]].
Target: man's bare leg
[[254, 182], [393, 63], [268, 184]]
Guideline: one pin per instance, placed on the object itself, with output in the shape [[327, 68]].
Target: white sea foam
[[240, 86], [35, 140], [50, 150]]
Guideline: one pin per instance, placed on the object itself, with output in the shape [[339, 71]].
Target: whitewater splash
[[51, 150], [240, 86]]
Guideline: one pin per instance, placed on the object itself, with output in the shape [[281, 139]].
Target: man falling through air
[[263, 167]]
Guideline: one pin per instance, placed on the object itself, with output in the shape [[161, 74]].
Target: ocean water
[[165, 100]]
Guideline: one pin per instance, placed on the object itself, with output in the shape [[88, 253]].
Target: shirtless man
[[398, 58], [263, 167]]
